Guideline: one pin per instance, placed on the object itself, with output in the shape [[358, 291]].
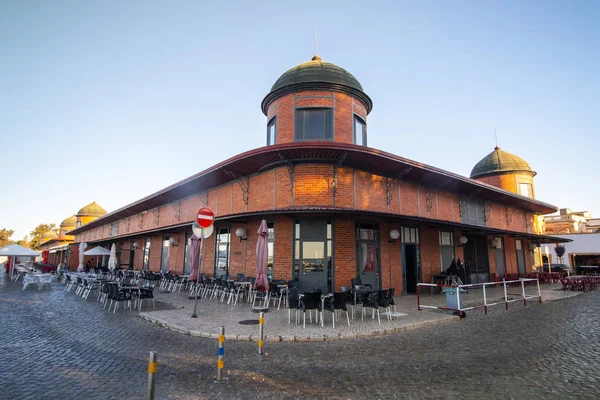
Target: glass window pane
[[518, 244], [329, 248], [297, 231], [313, 256], [359, 132], [297, 250], [328, 230], [314, 123]]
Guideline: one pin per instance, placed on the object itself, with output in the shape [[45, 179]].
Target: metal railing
[[459, 288]]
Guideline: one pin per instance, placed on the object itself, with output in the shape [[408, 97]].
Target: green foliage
[[5, 235], [36, 234], [560, 251]]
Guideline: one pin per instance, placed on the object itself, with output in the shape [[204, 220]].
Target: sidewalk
[[212, 314]]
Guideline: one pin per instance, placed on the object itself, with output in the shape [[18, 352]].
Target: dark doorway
[[131, 254], [477, 264], [412, 270]]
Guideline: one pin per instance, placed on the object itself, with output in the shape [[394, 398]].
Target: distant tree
[[24, 242], [5, 235], [560, 252], [36, 234]]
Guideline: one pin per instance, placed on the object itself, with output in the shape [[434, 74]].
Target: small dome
[[91, 210], [500, 161], [70, 222], [49, 235], [313, 75]]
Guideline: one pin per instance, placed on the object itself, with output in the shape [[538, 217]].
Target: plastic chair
[[310, 301], [337, 302]]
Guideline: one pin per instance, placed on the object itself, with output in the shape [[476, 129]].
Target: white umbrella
[[112, 260], [82, 247], [14, 251], [97, 251]]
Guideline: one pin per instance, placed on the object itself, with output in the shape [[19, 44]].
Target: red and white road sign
[[205, 217]]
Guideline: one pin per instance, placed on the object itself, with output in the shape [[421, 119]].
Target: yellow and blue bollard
[[221, 354]]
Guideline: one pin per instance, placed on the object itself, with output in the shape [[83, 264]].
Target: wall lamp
[[462, 241], [134, 245], [394, 235], [241, 233], [173, 241]]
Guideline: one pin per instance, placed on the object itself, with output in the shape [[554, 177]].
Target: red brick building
[[336, 208]]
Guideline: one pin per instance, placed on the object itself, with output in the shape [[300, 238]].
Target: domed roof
[[69, 222], [499, 161], [316, 74], [91, 210], [49, 235]]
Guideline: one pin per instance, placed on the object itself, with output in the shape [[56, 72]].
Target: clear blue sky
[[113, 100]]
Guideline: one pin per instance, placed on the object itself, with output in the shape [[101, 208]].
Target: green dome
[[70, 222], [314, 75], [92, 210], [500, 161]]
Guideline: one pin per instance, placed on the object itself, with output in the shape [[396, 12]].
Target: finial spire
[[316, 53], [496, 136]]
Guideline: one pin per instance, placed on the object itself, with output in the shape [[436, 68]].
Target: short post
[[418, 300], [151, 370], [261, 331], [539, 292], [505, 297], [458, 301], [484, 299], [523, 291], [221, 354]]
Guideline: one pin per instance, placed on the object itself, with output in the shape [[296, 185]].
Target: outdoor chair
[[275, 294], [383, 301], [146, 293], [308, 302], [371, 300], [293, 303], [336, 302], [358, 282], [391, 294]]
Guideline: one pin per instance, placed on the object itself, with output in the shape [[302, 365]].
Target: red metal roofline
[[350, 155]]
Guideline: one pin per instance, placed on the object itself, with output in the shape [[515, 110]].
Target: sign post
[[205, 218]]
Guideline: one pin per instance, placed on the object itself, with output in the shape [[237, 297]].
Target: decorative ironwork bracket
[[177, 209], [203, 199], [140, 220], [487, 209], [509, 215], [429, 199], [114, 228], [290, 167], [127, 224], [390, 185], [462, 205], [155, 213], [244, 183], [528, 220]]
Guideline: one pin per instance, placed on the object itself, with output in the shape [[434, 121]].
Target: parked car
[[564, 268]]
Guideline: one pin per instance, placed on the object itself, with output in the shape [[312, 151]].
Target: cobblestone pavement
[[55, 345]]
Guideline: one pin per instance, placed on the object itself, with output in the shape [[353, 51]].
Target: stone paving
[[56, 345], [212, 314]]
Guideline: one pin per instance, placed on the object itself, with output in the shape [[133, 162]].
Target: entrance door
[[477, 265], [412, 268], [164, 258], [367, 254], [520, 256], [313, 249], [500, 265]]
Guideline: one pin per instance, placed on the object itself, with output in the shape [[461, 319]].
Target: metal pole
[[484, 299], [523, 291], [194, 315], [458, 301], [261, 324], [539, 293], [220, 354], [505, 297], [418, 300], [151, 370]]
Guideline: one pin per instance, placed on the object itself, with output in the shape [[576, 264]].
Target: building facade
[[336, 208]]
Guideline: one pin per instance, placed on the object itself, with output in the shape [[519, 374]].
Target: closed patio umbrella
[[194, 257], [82, 247], [112, 260], [262, 255]]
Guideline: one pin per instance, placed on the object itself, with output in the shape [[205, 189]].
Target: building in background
[[567, 221], [56, 248], [337, 209]]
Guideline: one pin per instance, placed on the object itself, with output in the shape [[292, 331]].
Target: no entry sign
[[205, 217]]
